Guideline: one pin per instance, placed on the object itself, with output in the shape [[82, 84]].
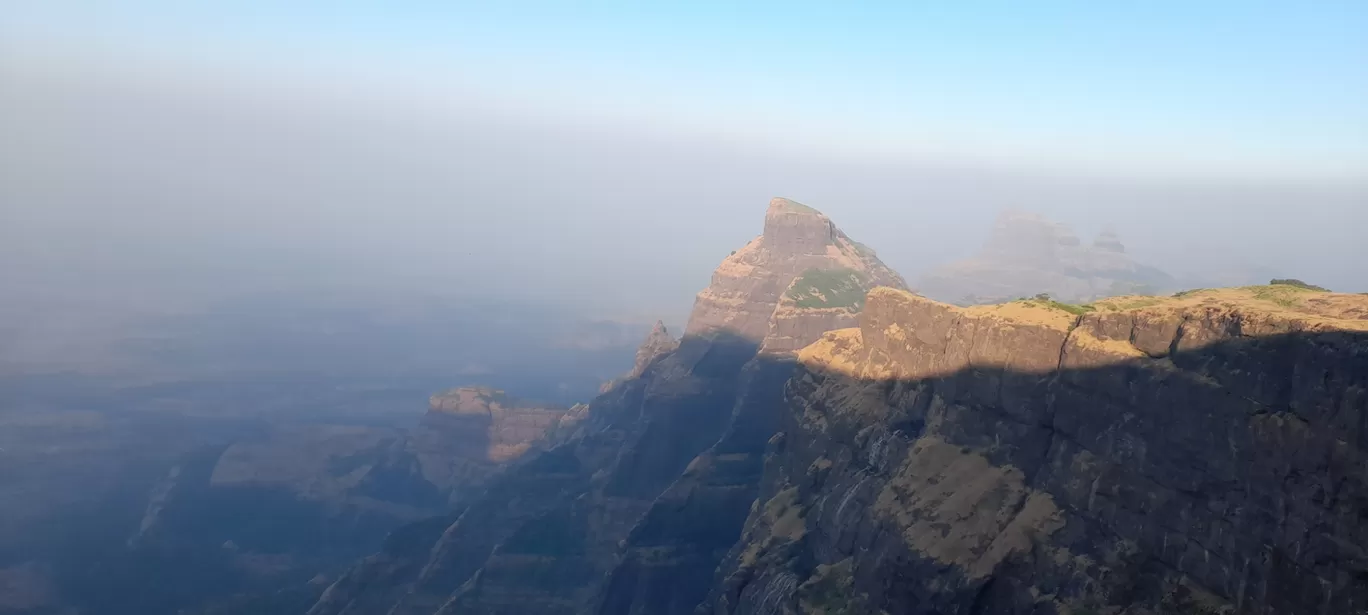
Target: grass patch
[[1132, 304], [1286, 295], [1077, 309], [1293, 282], [828, 288], [1044, 300], [1184, 293]]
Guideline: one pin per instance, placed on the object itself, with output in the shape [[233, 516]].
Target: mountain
[[292, 504], [1027, 255], [678, 443], [1197, 454], [1201, 453]]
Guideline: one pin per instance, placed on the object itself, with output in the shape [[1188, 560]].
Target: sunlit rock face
[[1194, 454], [633, 511], [748, 286]]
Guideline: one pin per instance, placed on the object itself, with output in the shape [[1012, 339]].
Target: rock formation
[[1202, 454], [469, 433], [677, 444], [1026, 255], [748, 286], [297, 500]]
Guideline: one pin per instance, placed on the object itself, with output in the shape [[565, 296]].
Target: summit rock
[[798, 242]]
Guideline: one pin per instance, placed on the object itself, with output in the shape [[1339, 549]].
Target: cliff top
[[1308, 308], [481, 400]]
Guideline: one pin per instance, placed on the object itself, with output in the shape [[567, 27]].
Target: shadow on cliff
[[1230, 475]]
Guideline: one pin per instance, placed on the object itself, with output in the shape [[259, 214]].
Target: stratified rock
[[748, 285], [1026, 255], [1201, 454], [659, 343], [469, 433], [566, 530]]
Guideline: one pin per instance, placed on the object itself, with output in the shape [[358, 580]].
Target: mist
[[159, 190]]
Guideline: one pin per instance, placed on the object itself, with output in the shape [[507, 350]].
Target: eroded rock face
[[1199, 455], [658, 343], [1026, 255], [469, 433], [632, 513], [747, 287]]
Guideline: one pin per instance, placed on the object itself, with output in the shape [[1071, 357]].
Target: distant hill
[[1027, 254]]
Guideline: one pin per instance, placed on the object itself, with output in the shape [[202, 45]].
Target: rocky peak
[[657, 343], [488, 424], [747, 288], [794, 228]]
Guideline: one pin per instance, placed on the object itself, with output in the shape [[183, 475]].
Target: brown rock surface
[[747, 287], [469, 433], [1194, 454]]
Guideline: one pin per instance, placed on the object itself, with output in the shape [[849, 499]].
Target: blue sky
[[1235, 87], [1224, 84]]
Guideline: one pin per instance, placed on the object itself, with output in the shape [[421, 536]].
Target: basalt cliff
[[822, 440], [633, 512]]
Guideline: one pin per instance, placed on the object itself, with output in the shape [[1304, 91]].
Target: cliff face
[[748, 285], [1203, 454], [469, 433], [1026, 255], [633, 511]]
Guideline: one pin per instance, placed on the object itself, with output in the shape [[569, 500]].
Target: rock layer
[[1194, 455], [469, 433], [633, 512], [747, 287]]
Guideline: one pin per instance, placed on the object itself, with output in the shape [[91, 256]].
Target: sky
[[606, 156]]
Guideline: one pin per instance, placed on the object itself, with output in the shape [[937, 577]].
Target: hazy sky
[[608, 155]]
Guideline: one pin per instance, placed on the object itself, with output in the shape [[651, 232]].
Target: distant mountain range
[[1026, 255]]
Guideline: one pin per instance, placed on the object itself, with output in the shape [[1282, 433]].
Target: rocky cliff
[[469, 433], [748, 286], [1026, 255], [579, 528], [280, 507], [1200, 454]]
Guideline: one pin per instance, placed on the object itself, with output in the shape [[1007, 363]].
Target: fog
[[164, 189]]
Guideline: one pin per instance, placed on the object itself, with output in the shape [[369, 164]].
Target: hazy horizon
[[182, 153]]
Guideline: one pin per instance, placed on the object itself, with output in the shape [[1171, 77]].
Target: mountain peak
[[747, 287], [792, 227], [657, 342]]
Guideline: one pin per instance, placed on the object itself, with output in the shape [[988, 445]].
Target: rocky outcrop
[[633, 511], [747, 287], [1026, 255], [1201, 454], [469, 433], [658, 343]]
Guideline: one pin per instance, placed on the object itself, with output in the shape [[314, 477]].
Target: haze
[[603, 161]]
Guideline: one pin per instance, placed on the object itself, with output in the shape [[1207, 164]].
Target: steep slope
[[1197, 454], [546, 535], [747, 287], [1026, 255], [298, 500], [469, 433]]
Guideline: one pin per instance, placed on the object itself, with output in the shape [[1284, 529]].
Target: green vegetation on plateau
[[829, 288], [1297, 283], [1044, 300]]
